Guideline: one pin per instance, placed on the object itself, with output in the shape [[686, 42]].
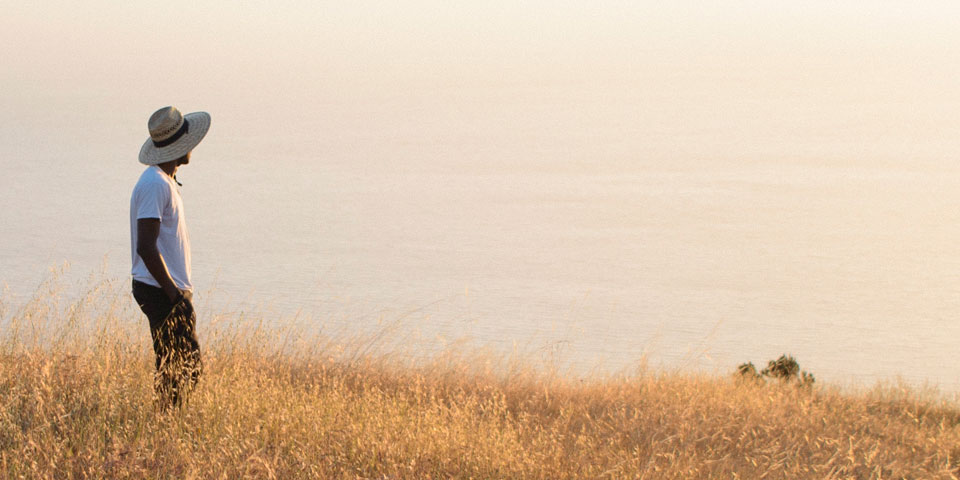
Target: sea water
[[689, 197]]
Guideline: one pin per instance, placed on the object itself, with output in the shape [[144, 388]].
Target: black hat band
[[176, 136]]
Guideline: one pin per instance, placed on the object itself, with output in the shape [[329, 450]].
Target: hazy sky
[[105, 45], [730, 75]]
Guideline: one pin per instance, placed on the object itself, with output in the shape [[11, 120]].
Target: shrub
[[785, 369], [748, 372]]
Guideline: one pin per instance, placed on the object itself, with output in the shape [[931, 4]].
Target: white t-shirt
[[157, 196]]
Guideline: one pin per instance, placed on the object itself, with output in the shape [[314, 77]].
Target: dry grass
[[76, 402]]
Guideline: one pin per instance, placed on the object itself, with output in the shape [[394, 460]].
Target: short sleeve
[[151, 200]]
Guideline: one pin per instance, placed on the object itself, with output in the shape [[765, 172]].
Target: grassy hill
[[76, 401]]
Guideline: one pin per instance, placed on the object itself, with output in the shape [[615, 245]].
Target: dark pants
[[173, 328]]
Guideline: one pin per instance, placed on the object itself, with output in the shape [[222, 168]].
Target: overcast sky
[[873, 68]]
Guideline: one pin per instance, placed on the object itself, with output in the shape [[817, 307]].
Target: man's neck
[[170, 168]]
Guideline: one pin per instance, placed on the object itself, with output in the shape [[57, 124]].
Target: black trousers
[[173, 328]]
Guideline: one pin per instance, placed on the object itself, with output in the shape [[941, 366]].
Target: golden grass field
[[76, 401]]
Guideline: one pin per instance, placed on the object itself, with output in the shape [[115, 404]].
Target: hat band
[[176, 136]]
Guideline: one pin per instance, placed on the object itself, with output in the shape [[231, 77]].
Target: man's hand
[[175, 293]]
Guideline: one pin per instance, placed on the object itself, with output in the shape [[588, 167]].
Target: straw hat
[[173, 135]]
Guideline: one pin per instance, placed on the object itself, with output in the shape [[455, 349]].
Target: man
[[161, 251]]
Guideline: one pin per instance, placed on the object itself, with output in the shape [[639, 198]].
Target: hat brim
[[150, 154]]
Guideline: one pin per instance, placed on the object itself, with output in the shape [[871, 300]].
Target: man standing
[[161, 251]]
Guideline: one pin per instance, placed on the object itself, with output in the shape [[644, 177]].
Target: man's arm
[[148, 229]]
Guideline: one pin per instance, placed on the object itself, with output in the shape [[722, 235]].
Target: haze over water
[[695, 185]]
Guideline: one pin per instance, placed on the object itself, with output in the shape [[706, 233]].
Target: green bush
[[785, 369]]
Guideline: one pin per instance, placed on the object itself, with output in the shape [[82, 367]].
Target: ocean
[[687, 205]]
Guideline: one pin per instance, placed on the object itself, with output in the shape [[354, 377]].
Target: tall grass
[[76, 401]]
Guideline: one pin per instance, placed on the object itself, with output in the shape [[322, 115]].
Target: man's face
[[184, 159]]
